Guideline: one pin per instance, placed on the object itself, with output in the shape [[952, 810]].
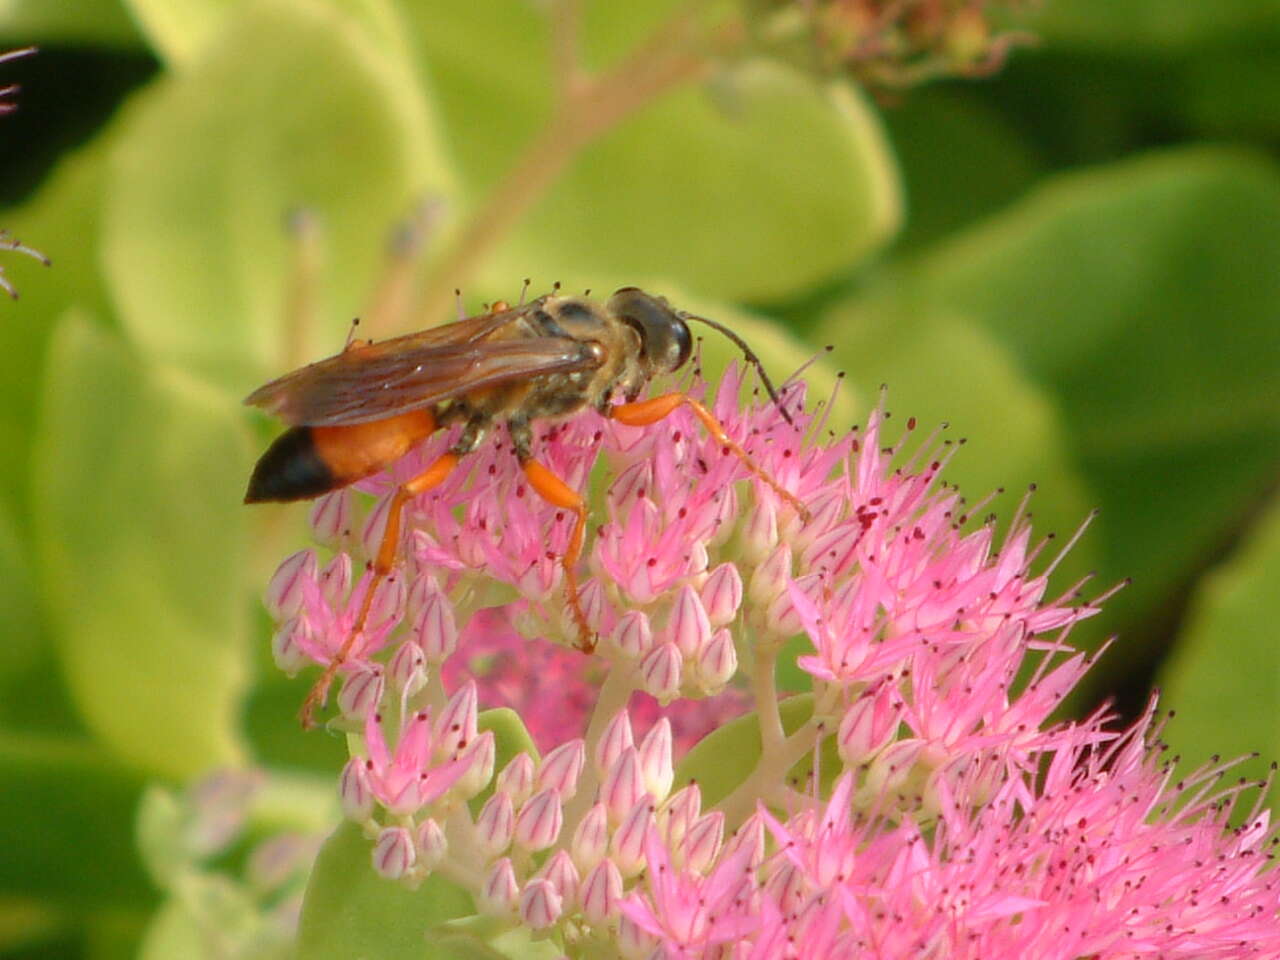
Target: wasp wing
[[370, 384]]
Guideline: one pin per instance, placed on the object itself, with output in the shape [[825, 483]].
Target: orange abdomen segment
[[305, 462]]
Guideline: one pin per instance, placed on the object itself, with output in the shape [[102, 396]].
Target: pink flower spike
[[623, 786], [655, 760], [435, 629], [433, 845], [561, 768], [601, 893], [516, 778], [539, 822], [354, 791], [499, 893], [361, 692], [563, 875], [394, 853], [591, 838], [614, 741], [495, 826], [456, 727], [661, 672], [688, 627], [722, 595], [285, 591], [627, 848], [540, 904]]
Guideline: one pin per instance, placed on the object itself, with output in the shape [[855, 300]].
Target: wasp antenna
[[751, 358]]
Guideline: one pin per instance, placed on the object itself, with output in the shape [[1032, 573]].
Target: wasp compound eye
[[665, 341]]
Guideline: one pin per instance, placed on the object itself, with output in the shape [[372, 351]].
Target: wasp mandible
[[356, 413]]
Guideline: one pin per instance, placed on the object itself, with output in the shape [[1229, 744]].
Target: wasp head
[[665, 341]]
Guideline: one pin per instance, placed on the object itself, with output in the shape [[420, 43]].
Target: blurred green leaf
[[1137, 26], [179, 29], [66, 22], [350, 911], [1224, 677], [62, 222], [1144, 298], [292, 104], [66, 823], [772, 184], [19, 610], [141, 537]]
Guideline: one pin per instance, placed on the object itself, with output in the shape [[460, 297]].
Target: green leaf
[[1142, 299], [350, 911], [726, 756], [179, 29], [1135, 26], [774, 183], [1224, 677], [292, 104], [142, 534], [66, 823], [68, 23]]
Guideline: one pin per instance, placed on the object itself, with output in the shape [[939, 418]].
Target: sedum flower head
[[916, 802]]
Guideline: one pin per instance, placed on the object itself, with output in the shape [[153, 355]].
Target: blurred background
[[1067, 249]]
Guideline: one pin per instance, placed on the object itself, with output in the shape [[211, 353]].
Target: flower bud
[[661, 672], [433, 845], [354, 790], [499, 891], [361, 692], [623, 786], [656, 768], [760, 532], [678, 814], [627, 846], [688, 627], [540, 904], [539, 822], [591, 838], [561, 768], [287, 648], [601, 893], [495, 826], [634, 943], [388, 603], [481, 753], [718, 661], [407, 670], [456, 726], [889, 772], [771, 578], [394, 853], [435, 629], [560, 871], [722, 594], [335, 579], [615, 739], [868, 726], [516, 778], [285, 591], [702, 843], [633, 636], [330, 517]]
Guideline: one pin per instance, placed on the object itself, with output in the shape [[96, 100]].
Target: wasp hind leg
[[388, 548], [556, 492], [641, 413]]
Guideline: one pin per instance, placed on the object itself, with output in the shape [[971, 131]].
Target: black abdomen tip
[[291, 469]]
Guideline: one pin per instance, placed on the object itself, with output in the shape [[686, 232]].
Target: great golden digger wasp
[[354, 414]]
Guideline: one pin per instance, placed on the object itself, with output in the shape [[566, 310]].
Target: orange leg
[[383, 563], [644, 412], [559, 494]]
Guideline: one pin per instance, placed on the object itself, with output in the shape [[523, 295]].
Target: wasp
[[354, 414]]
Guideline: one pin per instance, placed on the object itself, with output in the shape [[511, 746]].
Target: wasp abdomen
[[291, 469], [305, 462]]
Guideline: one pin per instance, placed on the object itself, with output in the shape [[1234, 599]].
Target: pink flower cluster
[[946, 816]]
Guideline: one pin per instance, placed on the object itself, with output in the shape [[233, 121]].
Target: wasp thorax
[[665, 342]]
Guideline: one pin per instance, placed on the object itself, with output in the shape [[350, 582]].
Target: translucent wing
[[417, 370]]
